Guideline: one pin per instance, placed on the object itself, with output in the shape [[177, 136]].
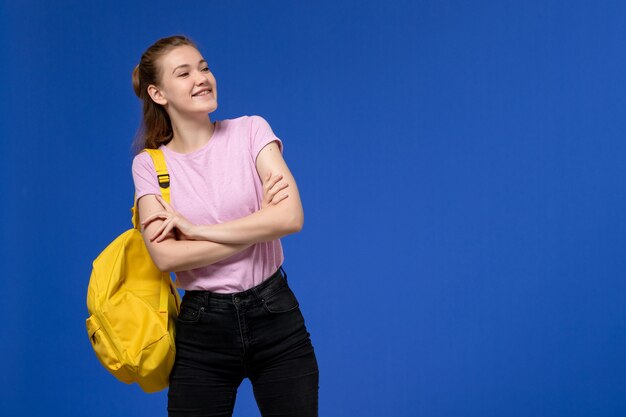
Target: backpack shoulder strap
[[161, 169], [164, 181]]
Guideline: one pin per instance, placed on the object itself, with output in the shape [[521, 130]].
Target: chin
[[204, 109]]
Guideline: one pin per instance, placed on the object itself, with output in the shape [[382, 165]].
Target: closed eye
[[182, 74]]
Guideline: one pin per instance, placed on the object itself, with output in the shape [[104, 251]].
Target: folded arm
[[270, 222], [171, 255], [283, 216], [201, 245]]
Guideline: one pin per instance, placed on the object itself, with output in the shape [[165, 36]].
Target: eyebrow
[[187, 65]]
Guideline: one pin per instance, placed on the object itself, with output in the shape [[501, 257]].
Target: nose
[[201, 78]]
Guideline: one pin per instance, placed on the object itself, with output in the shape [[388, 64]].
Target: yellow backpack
[[133, 305]]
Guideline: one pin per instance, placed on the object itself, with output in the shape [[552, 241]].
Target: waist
[[258, 292], [239, 272]]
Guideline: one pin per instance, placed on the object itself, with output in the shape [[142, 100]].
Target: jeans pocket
[[189, 313], [282, 301]]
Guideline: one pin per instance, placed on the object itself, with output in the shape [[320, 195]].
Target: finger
[[156, 232], [162, 226], [153, 217], [166, 231], [279, 198], [270, 183], [276, 178], [281, 186], [147, 222], [272, 193], [268, 188]]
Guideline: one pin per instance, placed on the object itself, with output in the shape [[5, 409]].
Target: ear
[[156, 95]]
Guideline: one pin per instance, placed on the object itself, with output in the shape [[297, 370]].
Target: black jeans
[[257, 334]]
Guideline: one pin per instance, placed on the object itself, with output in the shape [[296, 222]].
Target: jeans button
[[236, 300]]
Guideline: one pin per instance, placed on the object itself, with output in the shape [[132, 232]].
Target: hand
[[171, 219], [271, 190]]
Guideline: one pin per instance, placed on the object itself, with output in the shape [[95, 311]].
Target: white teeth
[[204, 93]]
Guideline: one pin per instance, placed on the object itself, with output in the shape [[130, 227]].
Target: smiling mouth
[[204, 93]]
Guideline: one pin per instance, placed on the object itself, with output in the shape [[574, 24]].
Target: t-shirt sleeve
[[260, 135], [144, 175]]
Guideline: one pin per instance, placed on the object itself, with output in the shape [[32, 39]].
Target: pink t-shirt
[[215, 184]]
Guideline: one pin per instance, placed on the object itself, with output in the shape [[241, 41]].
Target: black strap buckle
[[164, 180]]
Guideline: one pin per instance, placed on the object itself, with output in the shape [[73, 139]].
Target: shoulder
[[141, 158], [253, 126], [257, 120], [248, 120], [142, 161], [259, 127]]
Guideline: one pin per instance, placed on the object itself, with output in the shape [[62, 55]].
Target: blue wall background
[[461, 166]]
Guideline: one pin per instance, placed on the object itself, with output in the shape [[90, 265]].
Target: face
[[187, 84]]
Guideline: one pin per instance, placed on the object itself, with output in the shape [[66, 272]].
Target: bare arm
[[269, 223], [171, 255]]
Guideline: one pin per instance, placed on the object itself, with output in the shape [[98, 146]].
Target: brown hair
[[156, 126]]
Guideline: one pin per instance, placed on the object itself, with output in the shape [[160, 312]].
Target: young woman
[[232, 199]]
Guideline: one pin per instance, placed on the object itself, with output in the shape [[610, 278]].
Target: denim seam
[[244, 351]]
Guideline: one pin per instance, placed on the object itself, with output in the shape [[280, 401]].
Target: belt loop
[[284, 273], [207, 299], [256, 294]]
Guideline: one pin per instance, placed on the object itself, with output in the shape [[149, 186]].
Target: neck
[[190, 134]]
